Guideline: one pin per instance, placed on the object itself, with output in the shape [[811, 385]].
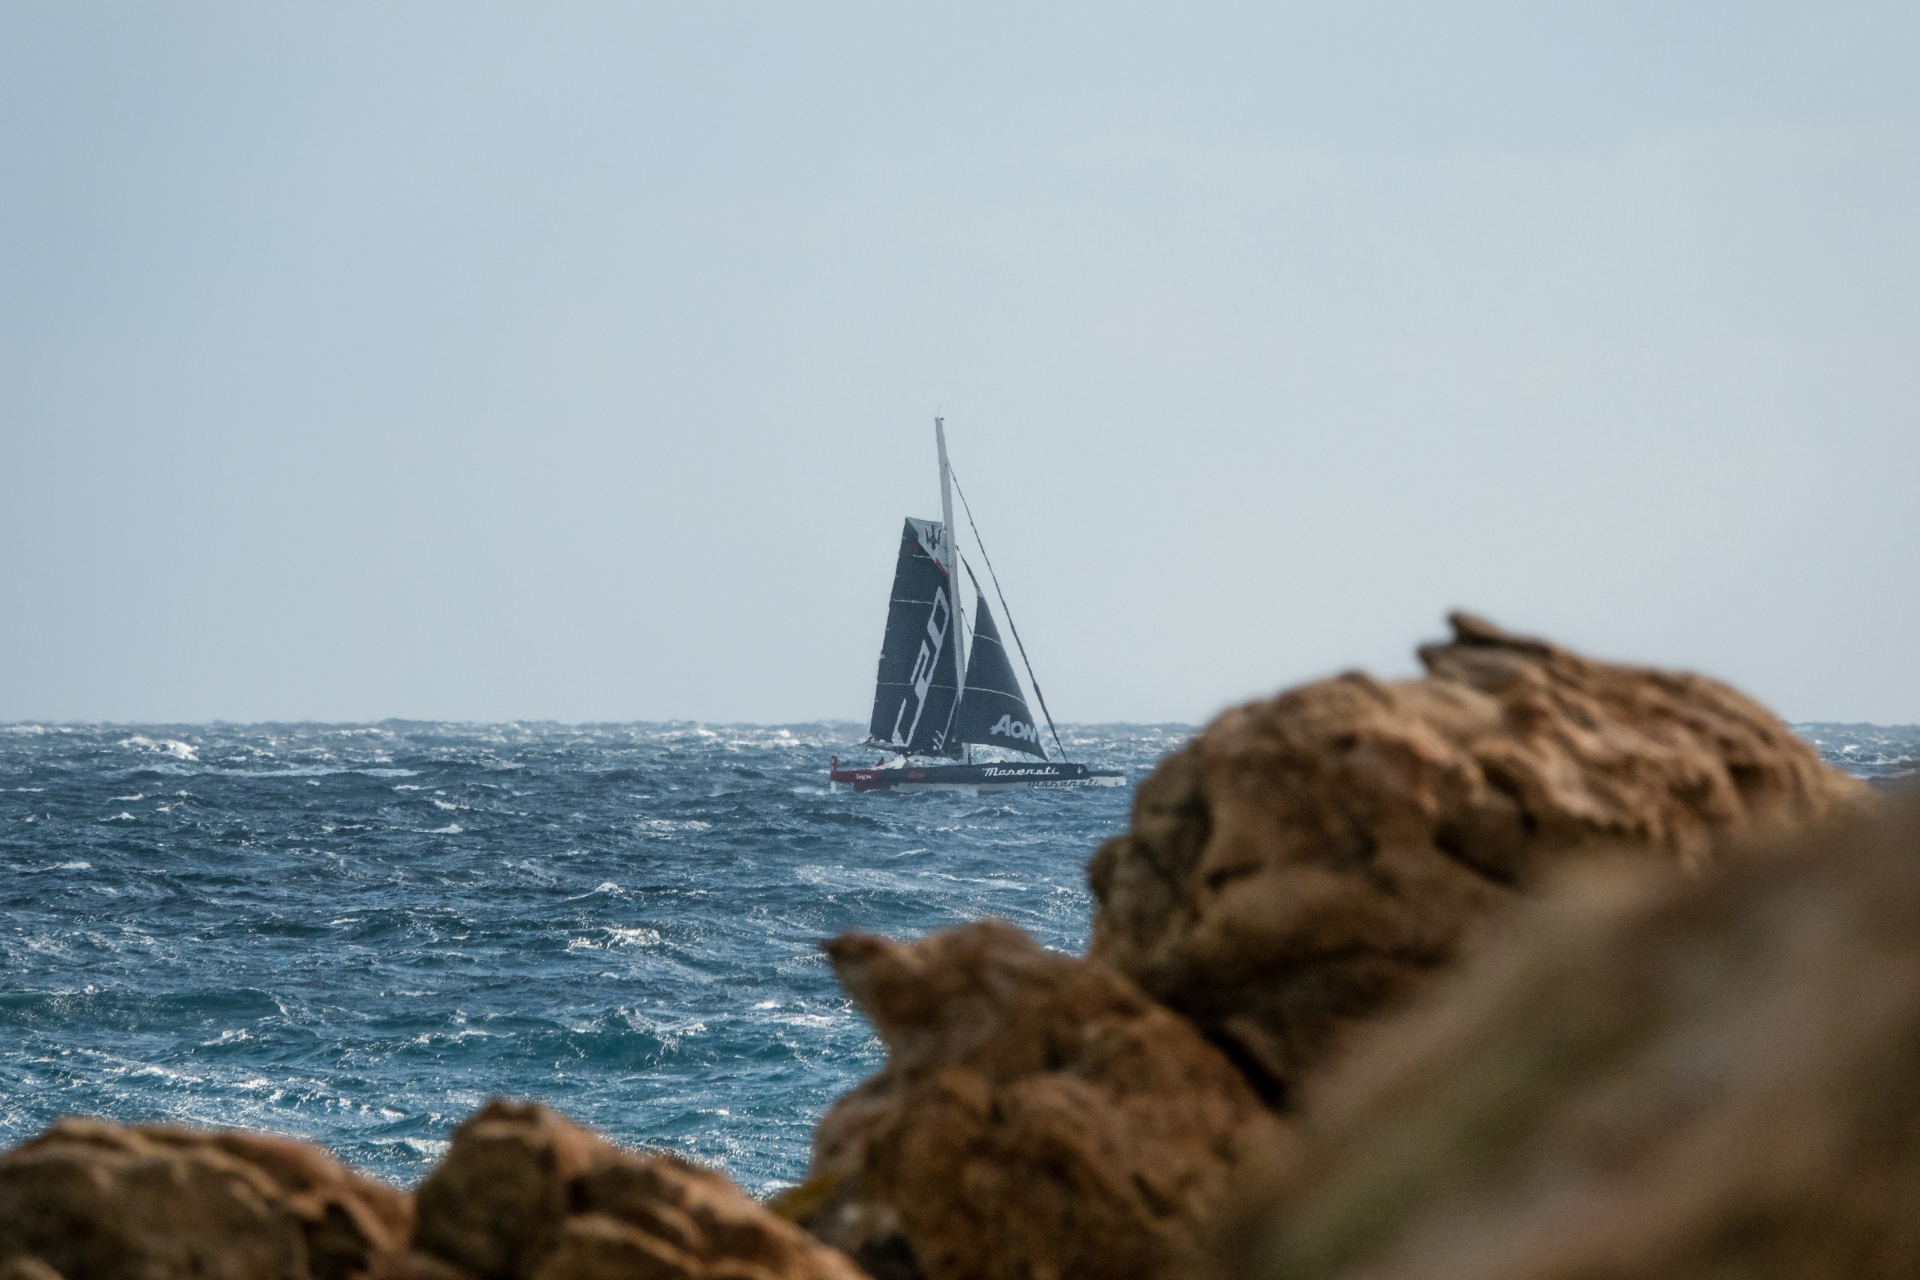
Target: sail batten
[[918, 682]]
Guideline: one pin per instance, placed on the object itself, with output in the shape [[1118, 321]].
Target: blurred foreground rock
[[1038, 1116], [522, 1194], [1308, 861], [1647, 1078], [96, 1201], [526, 1194]]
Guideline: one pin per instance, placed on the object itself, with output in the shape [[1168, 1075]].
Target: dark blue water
[[358, 934]]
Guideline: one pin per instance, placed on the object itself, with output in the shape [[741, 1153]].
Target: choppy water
[[357, 934], [1877, 752]]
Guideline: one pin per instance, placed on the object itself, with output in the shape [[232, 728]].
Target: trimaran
[[931, 701]]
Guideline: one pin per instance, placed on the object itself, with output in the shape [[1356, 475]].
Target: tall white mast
[[953, 557]]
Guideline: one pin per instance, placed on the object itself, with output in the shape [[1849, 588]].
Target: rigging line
[[1031, 678]]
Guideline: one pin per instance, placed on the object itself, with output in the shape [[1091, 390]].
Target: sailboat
[[932, 703]]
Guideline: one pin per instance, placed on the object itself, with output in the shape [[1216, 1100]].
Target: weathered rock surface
[[97, 1201], [1308, 861], [1038, 1116], [524, 1194], [1646, 1077]]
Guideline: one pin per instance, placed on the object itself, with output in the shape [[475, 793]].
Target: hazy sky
[[579, 361]]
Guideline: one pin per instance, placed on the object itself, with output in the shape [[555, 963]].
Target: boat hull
[[975, 778]]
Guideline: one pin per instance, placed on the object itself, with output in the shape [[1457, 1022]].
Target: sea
[[357, 934]]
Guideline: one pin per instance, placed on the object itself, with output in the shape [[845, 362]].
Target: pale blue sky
[[579, 361]]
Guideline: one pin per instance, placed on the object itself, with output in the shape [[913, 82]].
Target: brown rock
[[1647, 1077], [495, 1205], [410, 1264], [524, 1193], [94, 1200], [21, 1267], [594, 1245], [1038, 1116], [1307, 861]]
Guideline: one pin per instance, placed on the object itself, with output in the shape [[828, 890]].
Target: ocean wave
[[124, 1011]]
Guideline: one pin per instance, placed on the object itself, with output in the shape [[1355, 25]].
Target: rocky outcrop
[[1038, 1116], [1308, 861], [1645, 1077], [96, 1201], [524, 1194]]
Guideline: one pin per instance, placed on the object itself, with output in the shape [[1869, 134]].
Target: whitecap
[[165, 746], [152, 1070], [633, 937], [432, 1148], [451, 829], [667, 1031]]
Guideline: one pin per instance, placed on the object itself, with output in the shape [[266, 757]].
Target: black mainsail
[[919, 679], [993, 712]]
